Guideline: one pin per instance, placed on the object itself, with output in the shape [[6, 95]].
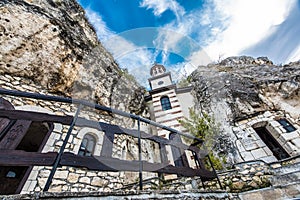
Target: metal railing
[[84, 103]]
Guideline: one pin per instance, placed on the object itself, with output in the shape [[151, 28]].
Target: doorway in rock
[[31, 138], [23, 135], [277, 150]]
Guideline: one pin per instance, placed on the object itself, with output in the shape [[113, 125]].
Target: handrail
[[82, 103], [93, 105]]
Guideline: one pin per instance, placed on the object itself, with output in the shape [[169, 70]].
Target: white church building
[[168, 104]]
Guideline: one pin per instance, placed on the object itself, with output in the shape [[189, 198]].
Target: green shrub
[[203, 126]]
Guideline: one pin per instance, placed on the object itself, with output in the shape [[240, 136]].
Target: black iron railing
[[62, 158]]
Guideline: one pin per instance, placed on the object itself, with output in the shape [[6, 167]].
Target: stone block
[[65, 188], [296, 141], [32, 186], [290, 148], [42, 182], [267, 114], [99, 182], [259, 174], [246, 155], [25, 187], [252, 170], [57, 127], [268, 151], [250, 145], [73, 178], [257, 180], [240, 146], [279, 130], [244, 172], [253, 184], [260, 143], [269, 159], [274, 123], [238, 186], [33, 175], [61, 174], [55, 189], [58, 182], [290, 135], [91, 174], [258, 153], [86, 180], [273, 131], [44, 173]]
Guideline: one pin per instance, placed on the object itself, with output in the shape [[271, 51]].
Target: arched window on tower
[[87, 145], [165, 103]]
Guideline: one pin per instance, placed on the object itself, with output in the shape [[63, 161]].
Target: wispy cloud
[[103, 32], [137, 59], [160, 6], [294, 56], [217, 30], [246, 23], [283, 44]]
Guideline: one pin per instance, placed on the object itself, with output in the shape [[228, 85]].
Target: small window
[[11, 174], [165, 103], [160, 82], [87, 145], [286, 125]]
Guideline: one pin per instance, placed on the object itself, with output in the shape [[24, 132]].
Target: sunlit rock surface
[[52, 44]]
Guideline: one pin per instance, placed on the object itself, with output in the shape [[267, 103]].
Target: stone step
[[285, 178], [285, 169]]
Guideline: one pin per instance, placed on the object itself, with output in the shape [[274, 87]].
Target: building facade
[[269, 136], [169, 104]]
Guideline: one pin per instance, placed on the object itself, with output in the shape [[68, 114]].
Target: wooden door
[[19, 135]]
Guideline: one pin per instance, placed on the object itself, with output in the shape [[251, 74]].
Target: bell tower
[[166, 109], [159, 77]]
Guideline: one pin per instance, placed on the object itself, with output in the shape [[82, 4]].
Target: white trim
[[94, 132]]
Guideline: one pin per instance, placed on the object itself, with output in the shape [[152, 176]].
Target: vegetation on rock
[[203, 126]]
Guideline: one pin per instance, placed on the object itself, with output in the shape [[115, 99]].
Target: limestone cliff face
[[240, 88], [51, 43], [245, 86]]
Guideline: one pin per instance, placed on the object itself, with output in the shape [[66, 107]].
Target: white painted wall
[[166, 81], [186, 101]]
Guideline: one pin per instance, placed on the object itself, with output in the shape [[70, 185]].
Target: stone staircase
[[285, 174]]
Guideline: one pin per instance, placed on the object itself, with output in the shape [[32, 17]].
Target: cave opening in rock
[[277, 150]]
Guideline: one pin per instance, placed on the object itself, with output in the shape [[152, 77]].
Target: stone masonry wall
[[250, 145], [70, 179], [244, 176]]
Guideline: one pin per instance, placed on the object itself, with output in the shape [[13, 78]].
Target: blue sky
[[182, 34]]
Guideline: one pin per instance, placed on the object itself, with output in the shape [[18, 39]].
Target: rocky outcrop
[[248, 86], [240, 88], [51, 43]]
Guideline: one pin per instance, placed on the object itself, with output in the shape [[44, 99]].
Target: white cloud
[[160, 6], [138, 60], [199, 58], [167, 40], [138, 63], [295, 56], [103, 32], [245, 23], [221, 29]]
